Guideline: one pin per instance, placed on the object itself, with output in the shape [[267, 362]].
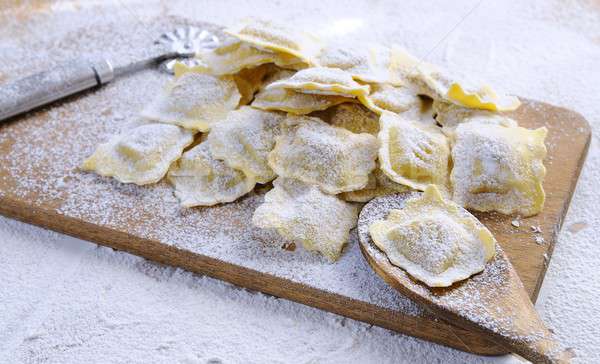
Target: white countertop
[[65, 300]]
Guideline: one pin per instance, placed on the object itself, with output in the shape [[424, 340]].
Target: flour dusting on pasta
[[349, 121]]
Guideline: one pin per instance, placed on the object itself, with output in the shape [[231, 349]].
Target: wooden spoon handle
[[543, 350]]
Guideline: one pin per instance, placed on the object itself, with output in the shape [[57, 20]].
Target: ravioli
[[291, 101], [276, 74], [498, 167], [194, 100], [323, 81], [244, 139], [315, 152], [366, 63], [141, 155], [403, 66], [429, 80], [413, 153], [432, 82], [303, 213], [434, 240], [483, 97], [396, 99], [235, 55], [379, 185], [449, 115], [356, 118], [201, 180], [266, 35], [294, 102]]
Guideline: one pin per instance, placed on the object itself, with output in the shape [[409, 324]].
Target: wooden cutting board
[[41, 184]]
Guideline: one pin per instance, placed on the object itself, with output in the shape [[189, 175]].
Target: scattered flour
[[68, 300]]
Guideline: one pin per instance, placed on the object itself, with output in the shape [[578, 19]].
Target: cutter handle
[[45, 87]]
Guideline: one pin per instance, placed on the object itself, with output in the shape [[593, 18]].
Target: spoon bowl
[[493, 302]]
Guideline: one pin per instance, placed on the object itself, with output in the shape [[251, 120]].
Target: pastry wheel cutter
[[72, 77]]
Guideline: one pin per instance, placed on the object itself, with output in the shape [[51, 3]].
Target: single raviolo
[[432, 82], [266, 35], [404, 65], [366, 63], [323, 81], [244, 139], [294, 102], [194, 100], [434, 240], [449, 115], [429, 80], [291, 101], [201, 180], [315, 152], [483, 97], [379, 185], [235, 55], [356, 118], [141, 155], [498, 167], [396, 99], [413, 153], [302, 212]]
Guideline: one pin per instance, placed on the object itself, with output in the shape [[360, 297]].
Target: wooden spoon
[[492, 302]]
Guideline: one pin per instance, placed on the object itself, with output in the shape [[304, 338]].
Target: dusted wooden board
[[568, 141], [40, 184]]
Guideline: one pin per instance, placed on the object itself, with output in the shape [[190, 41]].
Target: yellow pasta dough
[[194, 100], [498, 166], [481, 98], [434, 240], [449, 115], [323, 81], [304, 213], [250, 80], [315, 152], [366, 63], [402, 65], [429, 80], [432, 82], [244, 139], [379, 185], [141, 155], [201, 180], [266, 35], [396, 99], [356, 118], [294, 102], [291, 101], [413, 153], [235, 55]]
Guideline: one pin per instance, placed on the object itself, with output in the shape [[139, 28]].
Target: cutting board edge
[[567, 203], [427, 328]]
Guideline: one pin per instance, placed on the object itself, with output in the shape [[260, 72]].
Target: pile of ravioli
[[330, 125]]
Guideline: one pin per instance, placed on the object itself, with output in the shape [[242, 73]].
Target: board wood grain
[[568, 141], [37, 186]]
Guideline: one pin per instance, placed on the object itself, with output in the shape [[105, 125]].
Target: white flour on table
[[69, 301]]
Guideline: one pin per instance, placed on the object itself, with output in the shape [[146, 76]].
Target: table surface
[[67, 300]]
